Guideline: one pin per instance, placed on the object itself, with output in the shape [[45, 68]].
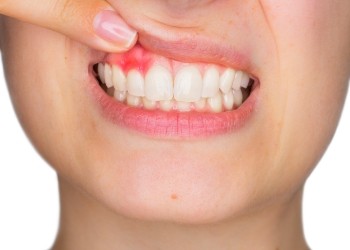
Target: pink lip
[[161, 124]]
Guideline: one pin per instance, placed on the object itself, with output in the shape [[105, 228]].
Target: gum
[[136, 58], [142, 60]]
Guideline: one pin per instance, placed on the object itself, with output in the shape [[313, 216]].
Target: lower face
[[156, 134]]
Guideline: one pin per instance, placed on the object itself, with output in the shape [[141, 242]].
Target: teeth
[[183, 106], [119, 79], [238, 97], [188, 91], [120, 95], [135, 83], [166, 105], [108, 76], [101, 72], [133, 101], [226, 80], [215, 103], [211, 80], [159, 84], [201, 104], [188, 84], [228, 100], [245, 81], [148, 104]]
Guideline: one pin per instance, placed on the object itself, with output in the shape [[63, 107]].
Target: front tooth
[[108, 76], [120, 95], [226, 80], [237, 81], [228, 100], [211, 80], [135, 83], [183, 106], [188, 84], [245, 80], [148, 104], [166, 105], [158, 84], [215, 103], [133, 101], [201, 104], [119, 79], [238, 97], [101, 72]]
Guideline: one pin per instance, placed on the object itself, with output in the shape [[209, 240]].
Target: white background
[[29, 200]]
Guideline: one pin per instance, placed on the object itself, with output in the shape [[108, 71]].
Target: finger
[[92, 22]]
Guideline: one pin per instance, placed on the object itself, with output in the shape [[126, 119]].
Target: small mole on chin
[[173, 196]]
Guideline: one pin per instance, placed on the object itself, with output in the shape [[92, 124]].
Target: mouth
[[162, 97]]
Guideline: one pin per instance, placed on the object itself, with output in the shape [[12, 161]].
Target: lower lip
[[173, 124]]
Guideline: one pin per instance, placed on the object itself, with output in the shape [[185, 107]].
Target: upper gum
[[142, 60]]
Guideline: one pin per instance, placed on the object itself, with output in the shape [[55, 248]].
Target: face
[[201, 159]]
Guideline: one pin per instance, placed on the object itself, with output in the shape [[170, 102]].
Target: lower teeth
[[219, 103]]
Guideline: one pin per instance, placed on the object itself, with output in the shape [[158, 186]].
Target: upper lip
[[189, 45]]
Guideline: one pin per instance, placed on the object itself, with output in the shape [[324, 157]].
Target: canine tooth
[[119, 78], [245, 80], [158, 84], [226, 80], [183, 106], [237, 81], [133, 101], [101, 72], [201, 104], [108, 76], [135, 83], [215, 103], [149, 104], [120, 95], [228, 100], [211, 81], [238, 97], [188, 84], [166, 105]]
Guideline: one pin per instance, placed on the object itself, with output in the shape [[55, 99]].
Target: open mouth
[[162, 97], [143, 80]]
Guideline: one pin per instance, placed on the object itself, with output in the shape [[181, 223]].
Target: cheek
[[313, 69]]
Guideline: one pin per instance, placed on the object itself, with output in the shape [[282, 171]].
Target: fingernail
[[111, 27]]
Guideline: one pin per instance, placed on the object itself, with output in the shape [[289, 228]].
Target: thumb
[[92, 22]]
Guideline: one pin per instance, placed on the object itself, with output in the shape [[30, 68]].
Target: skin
[[236, 191]]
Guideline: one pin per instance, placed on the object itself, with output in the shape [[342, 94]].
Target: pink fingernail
[[110, 26]]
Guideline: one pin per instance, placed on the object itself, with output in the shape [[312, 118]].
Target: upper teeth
[[189, 87]]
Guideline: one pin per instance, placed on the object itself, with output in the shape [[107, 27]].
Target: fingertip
[[111, 28]]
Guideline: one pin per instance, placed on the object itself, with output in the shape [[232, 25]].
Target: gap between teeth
[[188, 90]]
